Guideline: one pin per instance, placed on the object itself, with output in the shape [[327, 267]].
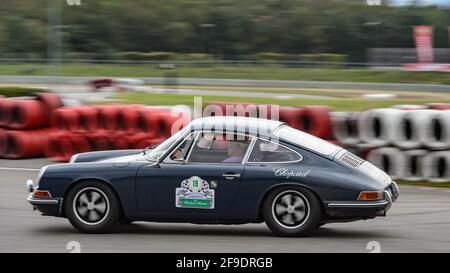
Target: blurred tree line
[[227, 29]]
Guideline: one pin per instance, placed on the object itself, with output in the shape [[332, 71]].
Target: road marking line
[[19, 169]]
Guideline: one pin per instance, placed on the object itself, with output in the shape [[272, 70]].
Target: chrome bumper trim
[[359, 204], [35, 201]]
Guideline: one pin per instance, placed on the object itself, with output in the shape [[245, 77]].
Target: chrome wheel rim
[[290, 209], [91, 206]]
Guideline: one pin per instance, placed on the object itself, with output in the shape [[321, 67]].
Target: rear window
[[306, 140]]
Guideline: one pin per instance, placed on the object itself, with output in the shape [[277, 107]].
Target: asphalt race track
[[418, 222]]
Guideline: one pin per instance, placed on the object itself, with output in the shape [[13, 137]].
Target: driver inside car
[[236, 151]]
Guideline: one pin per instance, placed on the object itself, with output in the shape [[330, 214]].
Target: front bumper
[[48, 206], [363, 209]]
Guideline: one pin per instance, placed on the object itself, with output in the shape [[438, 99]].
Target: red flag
[[423, 37]]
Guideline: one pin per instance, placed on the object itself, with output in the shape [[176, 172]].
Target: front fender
[[59, 179]]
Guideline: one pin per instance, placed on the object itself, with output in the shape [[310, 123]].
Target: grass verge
[[425, 184], [257, 72], [351, 104]]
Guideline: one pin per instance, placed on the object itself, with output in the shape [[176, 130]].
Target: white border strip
[[19, 169]]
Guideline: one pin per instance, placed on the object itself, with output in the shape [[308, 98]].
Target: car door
[[199, 178], [268, 164]]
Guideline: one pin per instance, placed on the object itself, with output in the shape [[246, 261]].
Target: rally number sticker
[[194, 193]]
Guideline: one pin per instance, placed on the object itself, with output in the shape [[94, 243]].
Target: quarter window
[[266, 151], [181, 152]]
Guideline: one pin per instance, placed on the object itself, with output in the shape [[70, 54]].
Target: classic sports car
[[218, 170]]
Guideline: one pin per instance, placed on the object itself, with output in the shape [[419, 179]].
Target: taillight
[[370, 195]]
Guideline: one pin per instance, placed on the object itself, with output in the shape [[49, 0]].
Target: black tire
[[299, 218], [88, 215]]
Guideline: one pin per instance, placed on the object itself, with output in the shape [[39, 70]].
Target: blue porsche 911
[[218, 170]]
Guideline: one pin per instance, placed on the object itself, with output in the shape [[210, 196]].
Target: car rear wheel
[[292, 211], [92, 207]]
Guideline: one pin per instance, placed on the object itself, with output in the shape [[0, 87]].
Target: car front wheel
[[92, 207], [292, 211]]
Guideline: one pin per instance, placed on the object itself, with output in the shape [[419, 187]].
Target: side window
[[181, 152], [265, 151], [219, 148]]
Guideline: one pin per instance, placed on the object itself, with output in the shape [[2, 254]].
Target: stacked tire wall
[[40, 126], [92, 128], [409, 142], [25, 125]]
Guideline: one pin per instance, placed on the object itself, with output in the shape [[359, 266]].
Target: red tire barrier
[[3, 142], [107, 117], [100, 141], [28, 114], [292, 116], [87, 119], [25, 144], [149, 142], [316, 121], [164, 122], [59, 147], [5, 111], [127, 118], [120, 141], [134, 140], [80, 143], [145, 122], [50, 100], [65, 119]]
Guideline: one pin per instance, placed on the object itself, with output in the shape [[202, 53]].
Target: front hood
[[126, 158]]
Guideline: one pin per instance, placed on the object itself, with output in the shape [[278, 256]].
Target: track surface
[[418, 222]]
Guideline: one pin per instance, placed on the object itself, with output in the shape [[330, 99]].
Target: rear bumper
[[363, 209], [48, 206]]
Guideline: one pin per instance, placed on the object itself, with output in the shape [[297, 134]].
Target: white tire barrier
[[390, 160], [379, 127], [411, 128], [345, 127], [413, 165], [436, 130], [436, 167]]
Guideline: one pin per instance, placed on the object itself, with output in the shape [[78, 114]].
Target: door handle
[[231, 176]]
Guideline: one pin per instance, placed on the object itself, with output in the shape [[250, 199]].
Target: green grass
[[258, 72], [426, 184], [350, 104], [18, 91]]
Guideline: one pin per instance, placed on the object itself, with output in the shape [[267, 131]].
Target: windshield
[[306, 140], [160, 150]]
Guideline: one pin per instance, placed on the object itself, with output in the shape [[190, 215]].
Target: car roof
[[232, 124]]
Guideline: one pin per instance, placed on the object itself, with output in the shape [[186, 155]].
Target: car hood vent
[[351, 160]]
